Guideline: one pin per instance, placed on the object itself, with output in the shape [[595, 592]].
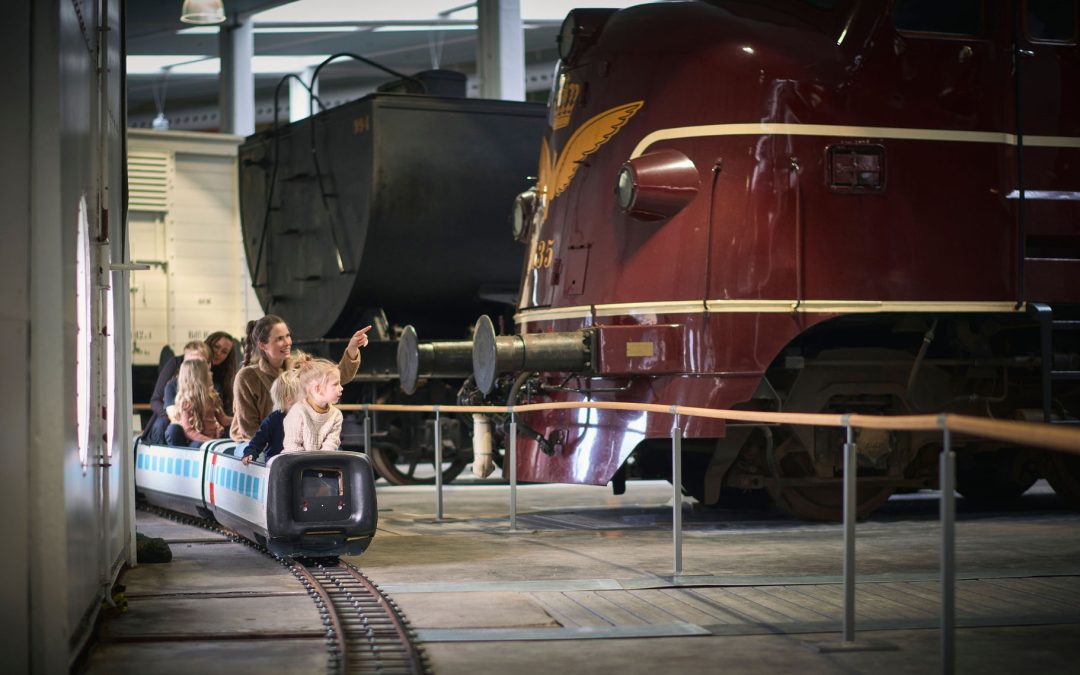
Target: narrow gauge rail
[[365, 630], [371, 634]]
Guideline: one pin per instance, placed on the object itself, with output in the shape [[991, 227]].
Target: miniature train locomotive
[[816, 206], [311, 504]]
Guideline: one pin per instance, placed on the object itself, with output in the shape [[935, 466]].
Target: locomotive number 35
[[542, 257]]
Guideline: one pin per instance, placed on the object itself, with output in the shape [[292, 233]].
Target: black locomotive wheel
[[1062, 470], [400, 468], [818, 502], [995, 478]]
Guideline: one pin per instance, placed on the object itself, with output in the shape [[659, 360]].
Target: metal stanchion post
[[512, 451], [676, 496], [438, 466], [850, 480], [367, 430], [948, 556]]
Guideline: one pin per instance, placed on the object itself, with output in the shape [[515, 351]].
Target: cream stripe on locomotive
[[770, 128], [525, 316]]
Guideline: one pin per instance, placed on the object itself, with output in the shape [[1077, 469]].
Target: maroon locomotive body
[[800, 205]]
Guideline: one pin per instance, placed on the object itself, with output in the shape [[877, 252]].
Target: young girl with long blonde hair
[[314, 423], [202, 416]]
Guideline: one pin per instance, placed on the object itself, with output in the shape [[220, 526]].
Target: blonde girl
[[201, 414], [313, 423], [270, 438]]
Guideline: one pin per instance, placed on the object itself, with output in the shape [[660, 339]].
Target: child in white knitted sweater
[[314, 423]]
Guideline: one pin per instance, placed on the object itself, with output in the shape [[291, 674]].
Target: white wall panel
[[204, 285]]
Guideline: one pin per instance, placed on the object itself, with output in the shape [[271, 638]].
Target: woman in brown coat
[[266, 355]]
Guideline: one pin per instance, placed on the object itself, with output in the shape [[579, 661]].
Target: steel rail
[[370, 631], [365, 630]]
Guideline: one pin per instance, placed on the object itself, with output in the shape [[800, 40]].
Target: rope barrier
[[1013, 431]]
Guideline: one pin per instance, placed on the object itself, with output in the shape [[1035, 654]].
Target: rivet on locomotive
[[797, 205]]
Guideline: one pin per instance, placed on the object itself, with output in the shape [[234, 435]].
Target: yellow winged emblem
[[555, 173]]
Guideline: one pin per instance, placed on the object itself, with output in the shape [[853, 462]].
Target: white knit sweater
[[306, 429]]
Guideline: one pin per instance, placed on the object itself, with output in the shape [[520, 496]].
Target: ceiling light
[[203, 12]]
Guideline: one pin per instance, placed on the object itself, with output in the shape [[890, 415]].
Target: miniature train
[[793, 205], [310, 504]]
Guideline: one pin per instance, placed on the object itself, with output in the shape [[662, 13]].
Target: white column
[[236, 95], [500, 57], [299, 98]]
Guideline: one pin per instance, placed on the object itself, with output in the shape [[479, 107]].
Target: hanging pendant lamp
[[203, 12]]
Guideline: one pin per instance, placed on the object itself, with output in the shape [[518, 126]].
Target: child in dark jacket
[[271, 434]]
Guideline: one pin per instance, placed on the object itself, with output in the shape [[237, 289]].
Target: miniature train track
[[365, 630], [368, 630]]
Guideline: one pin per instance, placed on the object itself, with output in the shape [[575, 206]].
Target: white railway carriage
[[311, 504]]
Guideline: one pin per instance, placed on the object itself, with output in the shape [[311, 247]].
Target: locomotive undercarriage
[[958, 369]]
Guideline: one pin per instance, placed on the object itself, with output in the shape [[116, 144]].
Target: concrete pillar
[[236, 95], [500, 57], [299, 98]]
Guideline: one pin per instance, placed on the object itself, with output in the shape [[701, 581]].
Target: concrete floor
[[585, 586]]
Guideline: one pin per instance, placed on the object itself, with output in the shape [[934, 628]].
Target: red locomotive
[[801, 205]]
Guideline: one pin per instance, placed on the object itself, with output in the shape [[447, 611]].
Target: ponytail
[[258, 332], [249, 343]]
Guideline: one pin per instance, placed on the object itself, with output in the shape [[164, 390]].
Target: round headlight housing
[[522, 213], [625, 189], [580, 29], [656, 186], [565, 39]]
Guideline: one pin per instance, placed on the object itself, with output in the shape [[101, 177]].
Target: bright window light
[[146, 64], [429, 26], [298, 28], [350, 10], [306, 29], [82, 334], [110, 368], [204, 65]]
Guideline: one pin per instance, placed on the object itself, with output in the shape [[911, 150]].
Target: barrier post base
[[860, 645]]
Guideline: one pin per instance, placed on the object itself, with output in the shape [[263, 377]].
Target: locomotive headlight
[[657, 185], [524, 207], [625, 190], [565, 40], [579, 30]]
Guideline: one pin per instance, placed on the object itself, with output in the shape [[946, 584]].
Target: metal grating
[[149, 180]]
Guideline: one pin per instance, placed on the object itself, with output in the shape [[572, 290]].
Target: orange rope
[[1027, 433]]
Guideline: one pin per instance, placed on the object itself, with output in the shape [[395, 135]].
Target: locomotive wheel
[[400, 469], [995, 478], [1063, 473], [818, 502]]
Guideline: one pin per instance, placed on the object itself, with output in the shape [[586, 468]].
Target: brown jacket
[[251, 394]]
